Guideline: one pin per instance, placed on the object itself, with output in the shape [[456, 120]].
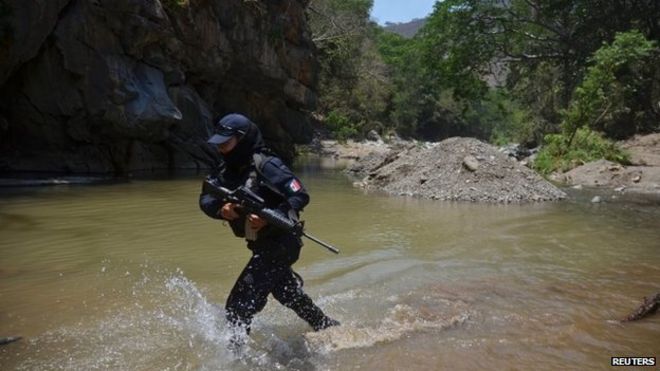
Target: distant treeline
[[568, 74], [405, 29]]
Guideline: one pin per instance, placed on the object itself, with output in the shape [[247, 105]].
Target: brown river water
[[132, 276]]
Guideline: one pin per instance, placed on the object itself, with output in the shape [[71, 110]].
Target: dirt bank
[[641, 176]]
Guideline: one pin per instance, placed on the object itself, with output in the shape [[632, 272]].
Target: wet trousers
[[263, 276]]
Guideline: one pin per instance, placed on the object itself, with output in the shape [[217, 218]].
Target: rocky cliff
[[125, 85]]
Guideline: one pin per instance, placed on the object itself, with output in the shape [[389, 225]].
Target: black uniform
[[273, 250]]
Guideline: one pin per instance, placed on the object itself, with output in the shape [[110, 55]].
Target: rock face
[[460, 169], [124, 85]]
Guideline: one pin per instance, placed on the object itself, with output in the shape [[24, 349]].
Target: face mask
[[248, 144]]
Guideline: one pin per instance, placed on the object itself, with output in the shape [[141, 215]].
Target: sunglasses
[[227, 130]]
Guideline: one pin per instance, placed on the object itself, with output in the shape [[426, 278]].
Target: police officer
[[247, 162]]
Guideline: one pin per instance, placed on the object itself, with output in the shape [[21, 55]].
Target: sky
[[400, 10]]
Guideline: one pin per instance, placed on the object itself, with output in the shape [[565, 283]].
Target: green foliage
[[341, 126], [409, 95], [510, 71], [392, 47], [353, 81], [539, 92], [440, 80], [361, 8], [544, 45], [338, 29], [588, 146], [614, 96], [429, 107], [454, 49], [505, 120]]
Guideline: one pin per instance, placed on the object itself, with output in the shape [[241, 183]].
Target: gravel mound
[[460, 169]]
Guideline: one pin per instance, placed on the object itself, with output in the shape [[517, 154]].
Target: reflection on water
[[133, 276]]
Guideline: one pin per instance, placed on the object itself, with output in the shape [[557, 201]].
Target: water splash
[[400, 320], [161, 319], [165, 323]]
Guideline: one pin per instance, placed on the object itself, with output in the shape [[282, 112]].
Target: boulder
[[373, 136], [471, 163]]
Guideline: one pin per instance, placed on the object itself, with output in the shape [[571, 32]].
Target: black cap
[[229, 126]]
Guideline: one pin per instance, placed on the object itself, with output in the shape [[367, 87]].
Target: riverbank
[[436, 171], [641, 176]]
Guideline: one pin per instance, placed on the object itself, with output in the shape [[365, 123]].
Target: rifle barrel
[[324, 244]]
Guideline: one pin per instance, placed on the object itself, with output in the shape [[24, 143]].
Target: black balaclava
[[250, 143]]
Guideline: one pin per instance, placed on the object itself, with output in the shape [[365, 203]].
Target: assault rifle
[[251, 203]]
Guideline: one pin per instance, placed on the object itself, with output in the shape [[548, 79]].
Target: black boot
[[307, 310], [290, 293], [239, 329], [325, 323]]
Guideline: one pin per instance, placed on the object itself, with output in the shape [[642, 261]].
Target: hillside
[[406, 29]]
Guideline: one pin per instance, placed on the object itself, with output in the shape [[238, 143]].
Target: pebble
[[596, 200]]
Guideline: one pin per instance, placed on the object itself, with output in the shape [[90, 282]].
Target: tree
[[353, 87], [532, 37], [495, 69], [615, 96]]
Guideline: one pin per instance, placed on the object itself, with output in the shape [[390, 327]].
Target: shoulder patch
[[294, 185]]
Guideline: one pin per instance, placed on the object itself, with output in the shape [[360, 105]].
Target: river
[[132, 276]]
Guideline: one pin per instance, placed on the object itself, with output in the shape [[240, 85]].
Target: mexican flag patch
[[295, 185]]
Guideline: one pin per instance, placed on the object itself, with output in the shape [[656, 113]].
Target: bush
[[340, 126], [615, 95], [587, 146], [505, 121]]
